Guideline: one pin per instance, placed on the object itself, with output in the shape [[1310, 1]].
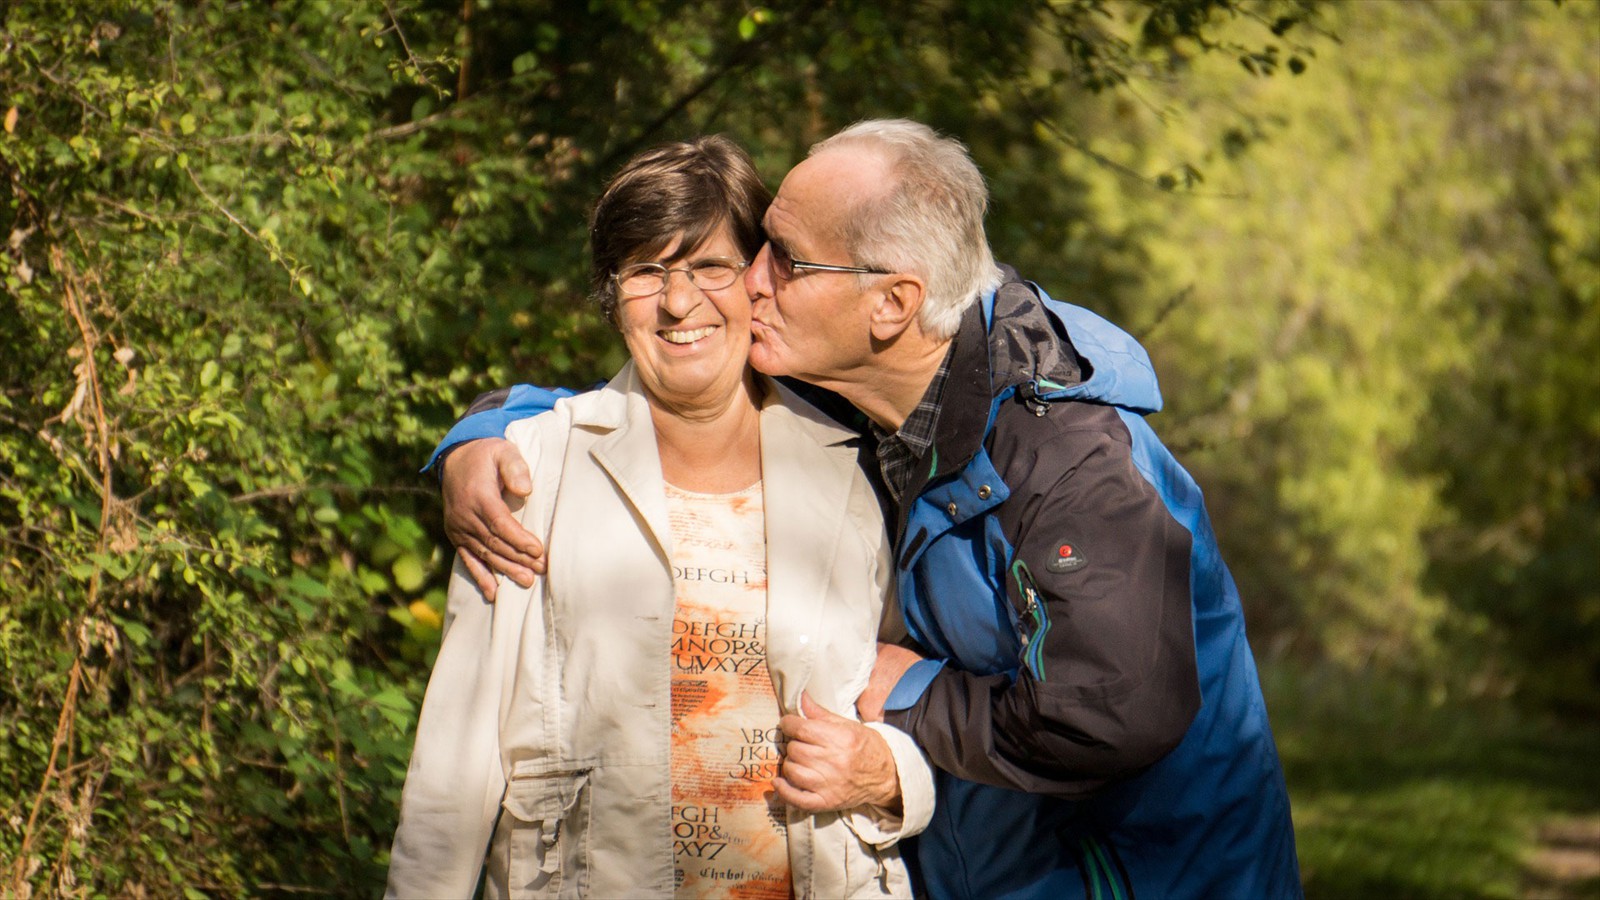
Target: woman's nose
[[682, 294]]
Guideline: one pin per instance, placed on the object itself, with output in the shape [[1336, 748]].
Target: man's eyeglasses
[[784, 265], [710, 274]]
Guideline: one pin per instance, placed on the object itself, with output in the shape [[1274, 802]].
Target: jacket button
[[952, 509], [984, 492]]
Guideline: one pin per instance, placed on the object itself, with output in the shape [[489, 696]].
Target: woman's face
[[690, 344]]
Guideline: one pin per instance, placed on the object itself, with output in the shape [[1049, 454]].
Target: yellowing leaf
[[425, 614], [11, 120]]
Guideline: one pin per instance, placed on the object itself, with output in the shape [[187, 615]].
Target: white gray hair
[[928, 222]]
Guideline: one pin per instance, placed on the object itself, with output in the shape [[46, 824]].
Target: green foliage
[[258, 255], [207, 317], [1519, 445], [1399, 792], [1379, 346]]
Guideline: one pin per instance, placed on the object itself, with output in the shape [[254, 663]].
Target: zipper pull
[[1030, 597], [1029, 392]]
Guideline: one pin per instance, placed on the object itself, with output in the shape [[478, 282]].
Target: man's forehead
[[788, 220], [810, 200]]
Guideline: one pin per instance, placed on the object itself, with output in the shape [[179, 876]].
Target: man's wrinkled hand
[[474, 482], [893, 661], [832, 763]]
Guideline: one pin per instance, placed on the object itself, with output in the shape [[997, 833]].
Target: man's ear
[[896, 306]]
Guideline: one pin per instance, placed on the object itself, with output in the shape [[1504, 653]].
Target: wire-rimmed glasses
[[709, 274]]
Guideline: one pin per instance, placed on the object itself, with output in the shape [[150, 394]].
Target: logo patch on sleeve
[[1067, 559]]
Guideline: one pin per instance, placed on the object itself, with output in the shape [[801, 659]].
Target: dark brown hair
[[687, 188]]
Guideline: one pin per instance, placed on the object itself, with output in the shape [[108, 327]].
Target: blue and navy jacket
[[1089, 697]]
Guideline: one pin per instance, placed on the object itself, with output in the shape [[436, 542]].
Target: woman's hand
[[834, 763], [478, 521]]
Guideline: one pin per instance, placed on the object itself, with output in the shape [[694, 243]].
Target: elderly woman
[[716, 562]]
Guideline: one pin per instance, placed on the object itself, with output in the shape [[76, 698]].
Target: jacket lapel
[[808, 466], [628, 454]]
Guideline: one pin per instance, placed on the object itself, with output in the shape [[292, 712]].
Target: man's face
[[813, 325]]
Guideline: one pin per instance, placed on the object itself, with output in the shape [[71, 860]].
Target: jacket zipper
[[1032, 639]]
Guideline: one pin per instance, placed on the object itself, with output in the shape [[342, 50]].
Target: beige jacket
[[553, 704]]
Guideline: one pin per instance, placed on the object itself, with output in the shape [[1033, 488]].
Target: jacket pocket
[[541, 845]]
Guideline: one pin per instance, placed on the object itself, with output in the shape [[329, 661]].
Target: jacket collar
[[1021, 347], [627, 450], [622, 401]]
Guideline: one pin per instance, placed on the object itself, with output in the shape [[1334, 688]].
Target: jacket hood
[[1111, 366]]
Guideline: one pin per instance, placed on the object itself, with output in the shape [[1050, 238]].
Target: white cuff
[[881, 828]]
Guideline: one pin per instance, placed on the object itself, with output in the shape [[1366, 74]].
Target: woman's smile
[[684, 336]]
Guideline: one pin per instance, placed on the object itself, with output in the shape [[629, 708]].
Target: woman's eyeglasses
[[710, 274]]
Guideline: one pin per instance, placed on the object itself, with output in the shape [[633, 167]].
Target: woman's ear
[[896, 305]]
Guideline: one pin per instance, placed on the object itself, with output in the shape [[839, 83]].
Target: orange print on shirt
[[728, 829]]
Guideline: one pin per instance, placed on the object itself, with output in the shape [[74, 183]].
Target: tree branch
[[742, 57]]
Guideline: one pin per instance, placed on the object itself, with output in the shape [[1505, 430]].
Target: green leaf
[[392, 698], [409, 573], [136, 633], [306, 586]]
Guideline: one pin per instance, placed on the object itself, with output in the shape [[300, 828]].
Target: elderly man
[[1080, 674]]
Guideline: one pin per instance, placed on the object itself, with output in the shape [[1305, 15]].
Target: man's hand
[[834, 763], [893, 661], [478, 521]]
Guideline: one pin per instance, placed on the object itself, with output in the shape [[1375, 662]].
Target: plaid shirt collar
[[899, 451]]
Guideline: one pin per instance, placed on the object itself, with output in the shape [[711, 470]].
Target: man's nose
[[758, 277]]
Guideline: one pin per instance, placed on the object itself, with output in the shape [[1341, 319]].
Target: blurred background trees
[[258, 255], [1382, 349]]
